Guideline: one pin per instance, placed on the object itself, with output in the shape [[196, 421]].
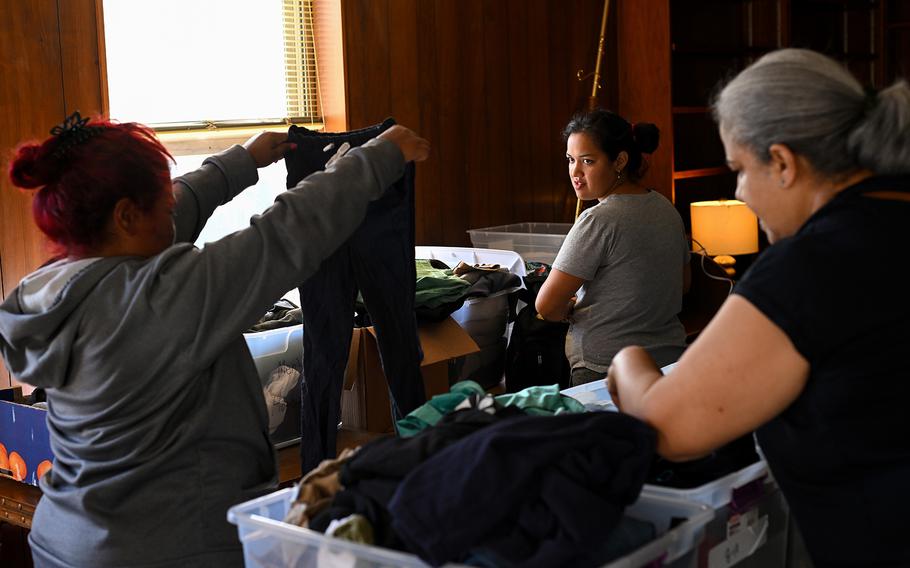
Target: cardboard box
[[365, 401], [25, 447]]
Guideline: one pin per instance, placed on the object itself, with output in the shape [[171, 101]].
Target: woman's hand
[[636, 370], [413, 147], [556, 299], [611, 386], [266, 148], [570, 310]]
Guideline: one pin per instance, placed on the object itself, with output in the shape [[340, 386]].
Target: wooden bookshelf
[[703, 172], [690, 47]]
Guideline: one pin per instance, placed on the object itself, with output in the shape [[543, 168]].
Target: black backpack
[[536, 354]]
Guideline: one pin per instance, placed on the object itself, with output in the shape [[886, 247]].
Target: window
[[185, 64], [207, 74]]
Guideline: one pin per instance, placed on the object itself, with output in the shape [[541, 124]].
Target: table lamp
[[724, 228]]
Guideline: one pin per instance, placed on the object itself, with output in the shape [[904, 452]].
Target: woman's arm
[[742, 371], [556, 298], [220, 178], [209, 296]]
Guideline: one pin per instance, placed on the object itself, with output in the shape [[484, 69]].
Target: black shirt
[[841, 451]]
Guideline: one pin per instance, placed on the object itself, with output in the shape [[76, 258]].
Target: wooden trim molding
[[102, 59], [330, 63], [81, 55]]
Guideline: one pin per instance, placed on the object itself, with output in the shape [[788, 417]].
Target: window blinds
[[302, 79]]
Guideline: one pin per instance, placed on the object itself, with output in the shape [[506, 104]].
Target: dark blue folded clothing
[[531, 491], [371, 477]]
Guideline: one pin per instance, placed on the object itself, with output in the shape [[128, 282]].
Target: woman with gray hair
[[810, 348]]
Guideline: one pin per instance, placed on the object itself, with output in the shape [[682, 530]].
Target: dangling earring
[[618, 181]]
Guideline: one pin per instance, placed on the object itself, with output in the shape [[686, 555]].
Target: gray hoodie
[[156, 415]]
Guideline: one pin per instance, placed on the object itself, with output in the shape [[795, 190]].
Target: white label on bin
[[747, 533], [740, 520]]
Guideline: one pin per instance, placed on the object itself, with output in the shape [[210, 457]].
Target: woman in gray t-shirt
[[621, 272]]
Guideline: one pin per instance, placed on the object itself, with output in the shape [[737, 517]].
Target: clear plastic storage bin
[[484, 318], [270, 349], [507, 259], [274, 347], [751, 520], [270, 543], [750, 527], [538, 242]]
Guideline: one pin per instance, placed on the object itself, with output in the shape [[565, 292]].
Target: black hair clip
[[72, 132]]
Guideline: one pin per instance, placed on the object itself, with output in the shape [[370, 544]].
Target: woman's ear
[[125, 216], [784, 164], [622, 159]]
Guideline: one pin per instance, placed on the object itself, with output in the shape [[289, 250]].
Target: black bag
[[536, 354]]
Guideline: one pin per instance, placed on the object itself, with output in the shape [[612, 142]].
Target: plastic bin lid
[[717, 493], [451, 255], [531, 228]]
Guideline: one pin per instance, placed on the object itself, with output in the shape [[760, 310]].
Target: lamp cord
[[704, 254]]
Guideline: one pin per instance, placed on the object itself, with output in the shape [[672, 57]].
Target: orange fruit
[[43, 468], [4, 459], [17, 466]]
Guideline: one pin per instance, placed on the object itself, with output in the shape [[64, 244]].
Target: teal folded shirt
[[538, 401], [434, 409], [541, 401]]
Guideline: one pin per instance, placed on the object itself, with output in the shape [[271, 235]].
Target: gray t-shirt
[[631, 251]]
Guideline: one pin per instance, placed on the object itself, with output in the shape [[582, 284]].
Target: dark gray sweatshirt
[[155, 411]]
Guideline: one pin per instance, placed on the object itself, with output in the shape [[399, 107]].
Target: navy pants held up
[[378, 260]]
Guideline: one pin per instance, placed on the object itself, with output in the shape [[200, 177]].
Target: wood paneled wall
[[491, 83], [643, 89], [48, 68]]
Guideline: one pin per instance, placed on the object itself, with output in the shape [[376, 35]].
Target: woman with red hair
[[155, 410]]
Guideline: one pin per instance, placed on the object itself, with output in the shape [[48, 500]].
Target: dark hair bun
[[28, 169], [646, 136]]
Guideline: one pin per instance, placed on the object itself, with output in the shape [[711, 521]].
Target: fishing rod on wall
[[595, 86]]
